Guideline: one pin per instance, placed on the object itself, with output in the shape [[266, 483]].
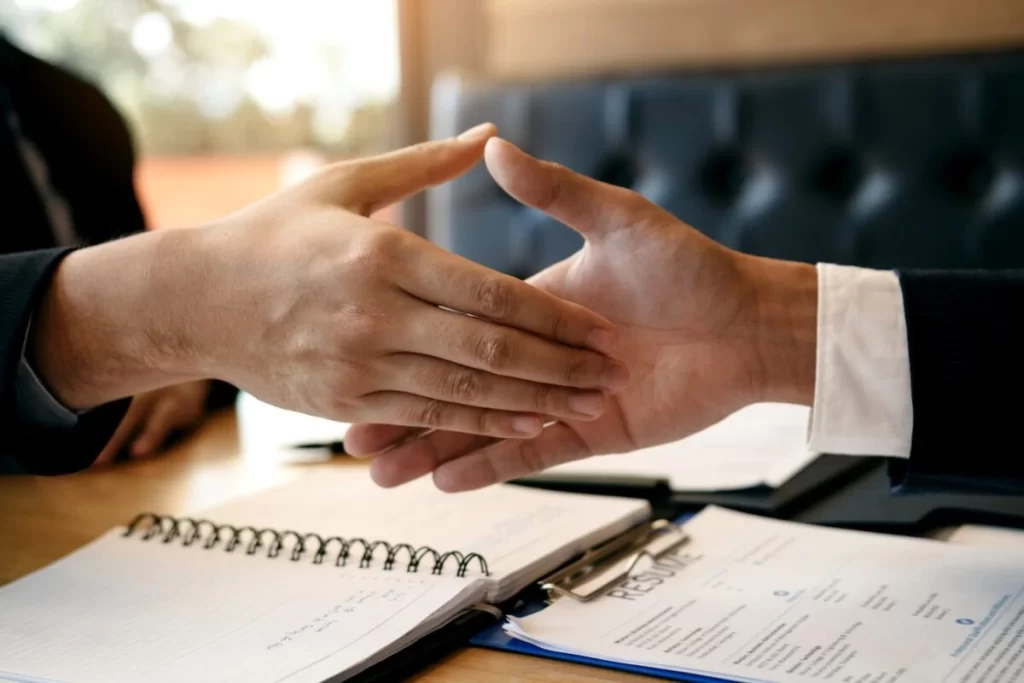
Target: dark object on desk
[[432, 648], [867, 502], [332, 447], [647, 488], [818, 479]]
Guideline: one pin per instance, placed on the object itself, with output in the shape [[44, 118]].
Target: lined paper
[[123, 609]]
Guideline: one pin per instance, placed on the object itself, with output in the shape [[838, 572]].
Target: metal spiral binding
[[188, 531]]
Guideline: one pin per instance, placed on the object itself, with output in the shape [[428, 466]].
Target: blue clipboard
[[495, 638]]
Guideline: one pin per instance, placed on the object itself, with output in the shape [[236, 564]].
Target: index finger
[[442, 278], [370, 184]]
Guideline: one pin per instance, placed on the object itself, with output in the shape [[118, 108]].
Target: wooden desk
[[43, 519]]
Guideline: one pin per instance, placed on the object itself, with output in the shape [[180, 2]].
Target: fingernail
[[616, 377], [527, 426], [477, 132], [590, 405], [602, 340]]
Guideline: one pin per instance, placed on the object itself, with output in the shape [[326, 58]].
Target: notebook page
[[124, 609], [761, 445], [519, 531], [751, 599]]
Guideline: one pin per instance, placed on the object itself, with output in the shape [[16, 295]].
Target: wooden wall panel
[[537, 39]]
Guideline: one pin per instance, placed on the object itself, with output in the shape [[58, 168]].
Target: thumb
[[370, 184], [588, 206]]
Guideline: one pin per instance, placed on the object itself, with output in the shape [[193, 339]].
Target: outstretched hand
[[689, 312], [307, 303]]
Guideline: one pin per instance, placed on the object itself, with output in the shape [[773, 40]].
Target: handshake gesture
[[648, 333]]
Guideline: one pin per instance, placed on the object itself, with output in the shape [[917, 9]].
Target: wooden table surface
[[43, 519]]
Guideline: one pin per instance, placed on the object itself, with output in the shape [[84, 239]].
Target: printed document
[[753, 599]]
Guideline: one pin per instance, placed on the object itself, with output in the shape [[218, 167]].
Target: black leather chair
[[915, 163]]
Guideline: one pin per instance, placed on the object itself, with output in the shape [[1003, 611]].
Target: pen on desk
[[332, 447]]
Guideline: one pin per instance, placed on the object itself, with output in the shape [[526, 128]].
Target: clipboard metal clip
[[600, 568]]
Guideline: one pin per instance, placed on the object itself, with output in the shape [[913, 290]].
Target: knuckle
[[359, 330], [542, 397], [338, 405], [576, 369], [494, 352], [495, 298], [384, 243], [633, 207], [553, 190], [530, 456], [485, 423], [431, 413], [465, 386], [561, 326]]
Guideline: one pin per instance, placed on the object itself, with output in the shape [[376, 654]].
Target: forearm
[[115, 320], [786, 320]]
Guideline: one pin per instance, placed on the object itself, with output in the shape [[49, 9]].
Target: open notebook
[[761, 445], [258, 593]]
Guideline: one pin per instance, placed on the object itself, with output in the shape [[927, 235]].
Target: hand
[[703, 329], [154, 417], [308, 304]]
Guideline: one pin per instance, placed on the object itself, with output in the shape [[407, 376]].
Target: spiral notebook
[[315, 581]]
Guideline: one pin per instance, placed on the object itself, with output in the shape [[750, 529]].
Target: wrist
[[106, 327], [786, 322]]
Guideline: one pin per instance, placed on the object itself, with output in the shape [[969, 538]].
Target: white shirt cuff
[[862, 401]]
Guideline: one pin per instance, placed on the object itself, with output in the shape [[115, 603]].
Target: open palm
[[681, 305]]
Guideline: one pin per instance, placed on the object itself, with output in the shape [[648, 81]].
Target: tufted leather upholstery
[[914, 164]]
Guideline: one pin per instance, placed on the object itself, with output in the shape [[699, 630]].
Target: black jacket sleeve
[[964, 334], [24, 278]]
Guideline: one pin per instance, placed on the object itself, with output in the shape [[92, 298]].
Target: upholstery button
[[723, 175], [837, 175], [967, 175], [620, 170]]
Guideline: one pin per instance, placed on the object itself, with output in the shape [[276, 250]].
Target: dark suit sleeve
[[964, 336], [31, 449]]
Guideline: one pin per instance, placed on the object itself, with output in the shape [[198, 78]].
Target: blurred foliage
[[185, 87]]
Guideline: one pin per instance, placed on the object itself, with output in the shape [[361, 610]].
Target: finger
[[165, 417], [588, 206], [505, 351], [366, 438], [419, 457], [444, 279], [370, 184], [433, 378], [510, 459], [415, 411], [124, 432]]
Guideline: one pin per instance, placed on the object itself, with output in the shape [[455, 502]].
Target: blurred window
[[241, 94]]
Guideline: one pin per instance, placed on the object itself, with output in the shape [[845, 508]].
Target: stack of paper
[[753, 599], [761, 445]]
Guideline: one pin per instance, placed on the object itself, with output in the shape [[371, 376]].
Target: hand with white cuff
[[703, 329], [305, 302]]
